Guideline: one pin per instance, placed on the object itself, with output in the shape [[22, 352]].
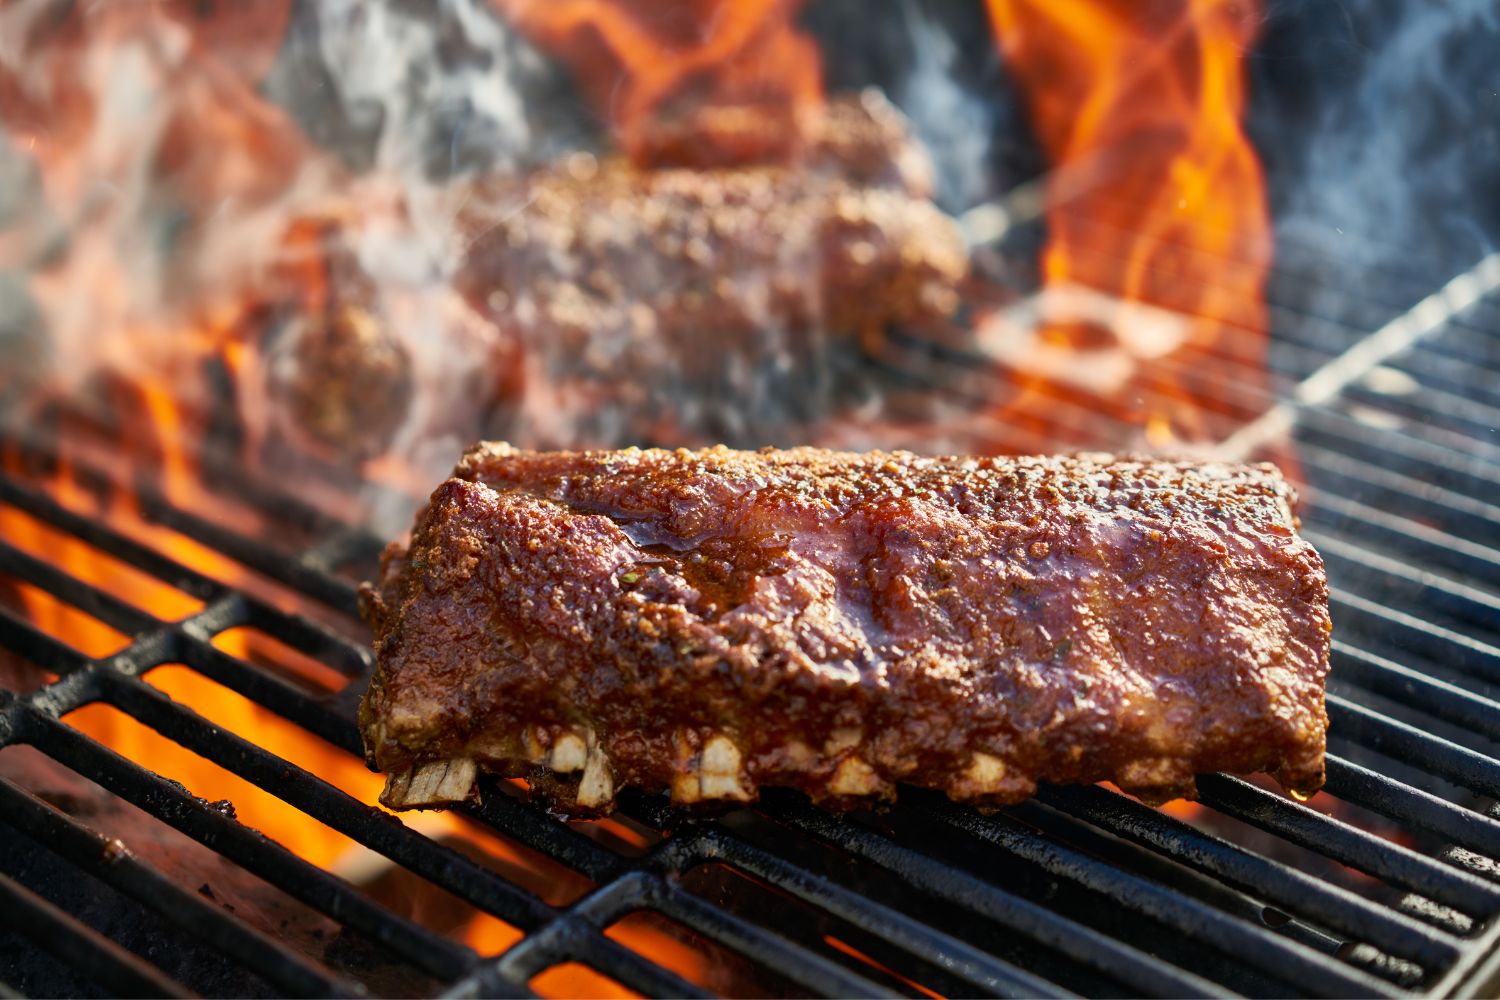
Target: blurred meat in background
[[338, 242]]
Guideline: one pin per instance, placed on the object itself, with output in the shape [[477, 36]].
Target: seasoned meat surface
[[696, 304], [716, 621]]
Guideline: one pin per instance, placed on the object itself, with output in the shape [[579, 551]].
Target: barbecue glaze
[[716, 621]]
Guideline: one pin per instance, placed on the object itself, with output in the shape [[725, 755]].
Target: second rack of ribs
[[713, 622]]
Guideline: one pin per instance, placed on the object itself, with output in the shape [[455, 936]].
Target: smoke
[[1379, 126], [425, 89], [165, 189], [306, 182], [938, 63]]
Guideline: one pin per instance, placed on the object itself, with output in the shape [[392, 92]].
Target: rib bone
[[853, 777], [569, 754], [987, 772], [686, 786], [597, 787], [436, 783], [719, 773]]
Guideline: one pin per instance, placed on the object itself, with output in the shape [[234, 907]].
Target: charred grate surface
[[1389, 884]]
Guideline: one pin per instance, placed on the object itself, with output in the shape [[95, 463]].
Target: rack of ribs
[[668, 303], [714, 622]]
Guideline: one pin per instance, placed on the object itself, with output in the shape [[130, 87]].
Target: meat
[[352, 353], [715, 622], [687, 304], [599, 302]]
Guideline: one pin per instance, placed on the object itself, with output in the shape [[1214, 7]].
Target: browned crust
[[617, 268], [714, 622]]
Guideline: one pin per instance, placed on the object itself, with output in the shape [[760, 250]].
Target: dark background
[[1378, 121]]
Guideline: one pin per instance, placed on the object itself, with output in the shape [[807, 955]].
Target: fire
[[699, 82], [181, 482], [1157, 203], [1156, 197]]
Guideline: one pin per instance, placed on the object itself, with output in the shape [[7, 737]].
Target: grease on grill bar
[[1385, 883]]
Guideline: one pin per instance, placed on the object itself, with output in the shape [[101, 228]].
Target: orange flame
[[161, 420], [210, 57], [696, 82], [1156, 196], [1178, 222]]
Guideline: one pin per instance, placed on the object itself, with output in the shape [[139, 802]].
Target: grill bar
[[96, 603], [1350, 845], [171, 804], [1414, 635], [80, 946], [1077, 942], [950, 953], [1462, 827], [813, 972], [1436, 697], [111, 862], [1294, 962], [1407, 743], [1288, 888], [1409, 585], [568, 939]]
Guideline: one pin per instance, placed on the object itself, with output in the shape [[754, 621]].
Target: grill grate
[[1081, 890]]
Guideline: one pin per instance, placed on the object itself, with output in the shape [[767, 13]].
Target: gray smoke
[[1396, 167], [430, 89]]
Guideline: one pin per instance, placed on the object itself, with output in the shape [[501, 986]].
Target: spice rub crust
[[713, 622]]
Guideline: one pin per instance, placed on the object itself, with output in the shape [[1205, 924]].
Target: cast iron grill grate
[[1392, 888]]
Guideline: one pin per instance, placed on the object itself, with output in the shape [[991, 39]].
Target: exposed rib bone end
[[986, 774], [719, 773], [854, 777], [436, 783], [714, 773], [596, 789], [988, 780], [569, 753]]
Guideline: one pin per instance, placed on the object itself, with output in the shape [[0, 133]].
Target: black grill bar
[[1350, 845], [1400, 534], [569, 938], [542, 833], [97, 534], [111, 862], [1289, 889], [1462, 827], [953, 955], [1416, 635], [1293, 963], [247, 848], [812, 971], [1409, 744], [364, 824], [944, 881], [80, 946], [1462, 515], [312, 580], [1436, 697], [1412, 586], [96, 603]]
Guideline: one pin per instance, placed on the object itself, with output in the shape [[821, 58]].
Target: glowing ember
[[1156, 196]]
